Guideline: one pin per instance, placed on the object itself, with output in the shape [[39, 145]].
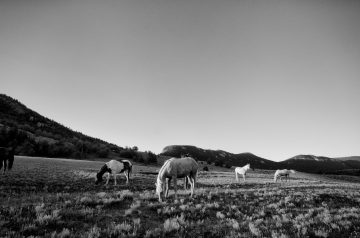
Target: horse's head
[[159, 188], [276, 175], [98, 178], [104, 169]]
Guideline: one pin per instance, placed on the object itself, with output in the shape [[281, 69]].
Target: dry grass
[[58, 198]]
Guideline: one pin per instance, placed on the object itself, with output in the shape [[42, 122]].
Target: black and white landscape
[[268, 89]]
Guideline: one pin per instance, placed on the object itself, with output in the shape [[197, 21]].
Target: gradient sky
[[272, 77]]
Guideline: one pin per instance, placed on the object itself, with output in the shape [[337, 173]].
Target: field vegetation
[[44, 197]]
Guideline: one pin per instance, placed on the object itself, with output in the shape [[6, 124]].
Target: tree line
[[35, 144]]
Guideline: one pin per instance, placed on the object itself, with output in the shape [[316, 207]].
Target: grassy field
[[44, 197]]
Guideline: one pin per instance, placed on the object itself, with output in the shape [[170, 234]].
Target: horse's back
[[284, 171], [239, 169], [182, 167], [126, 161], [115, 166]]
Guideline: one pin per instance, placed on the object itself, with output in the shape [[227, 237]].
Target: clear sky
[[273, 77]]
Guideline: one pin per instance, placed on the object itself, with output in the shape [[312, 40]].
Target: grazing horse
[[114, 167], [6, 158], [173, 169], [242, 171], [281, 173]]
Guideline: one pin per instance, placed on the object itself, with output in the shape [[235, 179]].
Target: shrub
[[94, 232]]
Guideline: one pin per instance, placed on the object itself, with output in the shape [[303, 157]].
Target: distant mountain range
[[305, 163]]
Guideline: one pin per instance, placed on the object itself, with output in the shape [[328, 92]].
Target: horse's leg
[[175, 186], [167, 185], [127, 177], [236, 176], [191, 182], [5, 165], [114, 178], [243, 177], [192, 185], [108, 179]]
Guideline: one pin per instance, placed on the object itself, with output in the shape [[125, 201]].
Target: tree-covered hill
[[35, 135], [219, 157], [321, 164]]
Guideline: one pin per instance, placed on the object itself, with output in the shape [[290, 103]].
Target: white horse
[[114, 167], [242, 171], [176, 168], [281, 173]]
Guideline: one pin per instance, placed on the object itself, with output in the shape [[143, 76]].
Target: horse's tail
[[196, 174], [128, 166], [130, 169], [186, 182]]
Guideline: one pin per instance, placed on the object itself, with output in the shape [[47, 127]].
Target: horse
[[114, 167], [283, 173], [6, 158], [242, 171], [173, 169]]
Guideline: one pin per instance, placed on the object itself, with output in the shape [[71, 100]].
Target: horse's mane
[[126, 161], [247, 166], [161, 174], [103, 170]]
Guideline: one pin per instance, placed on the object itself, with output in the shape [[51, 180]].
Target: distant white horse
[[114, 167], [281, 173], [242, 171], [173, 169]]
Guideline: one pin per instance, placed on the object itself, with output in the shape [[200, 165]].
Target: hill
[[303, 163], [35, 135], [219, 157], [320, 164], [349, 158]]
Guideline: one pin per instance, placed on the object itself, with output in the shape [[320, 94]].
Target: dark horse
[[114, 167], [6, 158]]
